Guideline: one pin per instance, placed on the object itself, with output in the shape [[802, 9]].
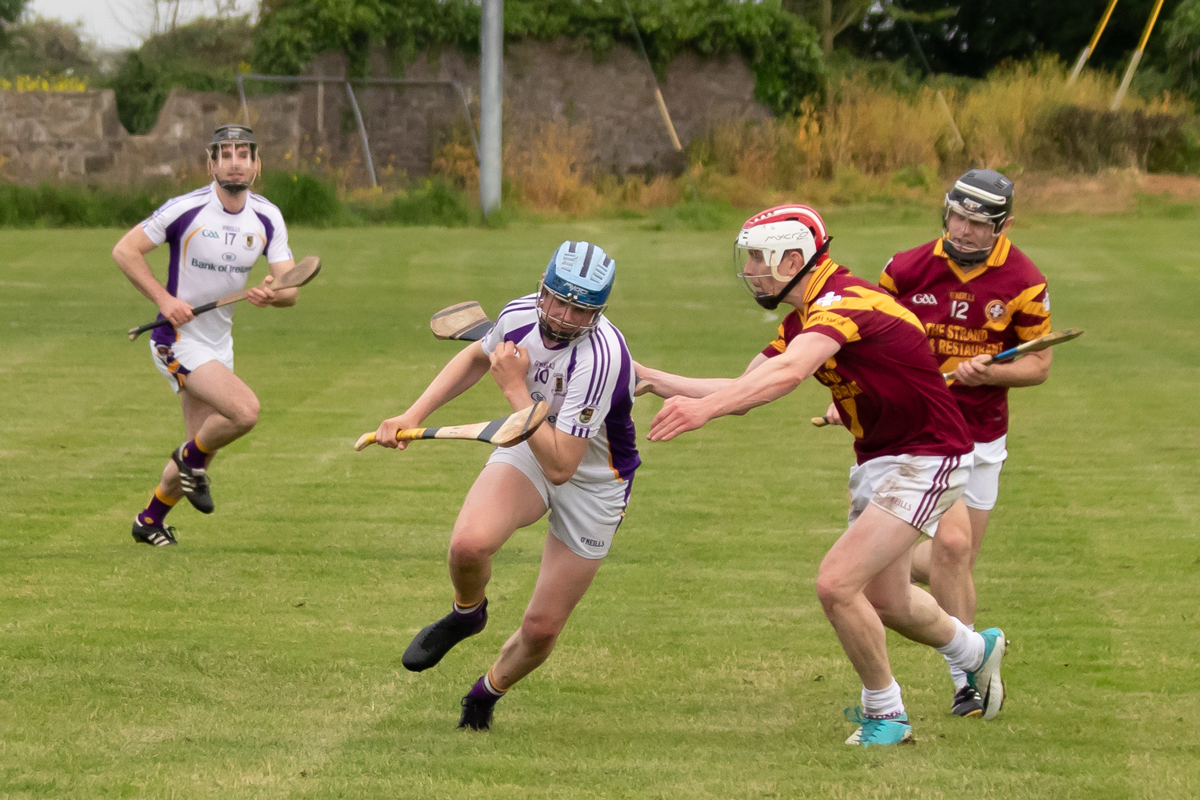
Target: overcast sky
[[115, 24]]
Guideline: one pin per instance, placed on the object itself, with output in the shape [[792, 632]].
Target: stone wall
[[77, 137]]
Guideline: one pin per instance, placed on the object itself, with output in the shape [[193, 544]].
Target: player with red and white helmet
[[913, 451]]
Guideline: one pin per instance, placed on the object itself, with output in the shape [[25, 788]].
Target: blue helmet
[[580, 274]]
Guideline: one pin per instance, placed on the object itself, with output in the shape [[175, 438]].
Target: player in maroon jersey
[[976, 294], [914, 452]]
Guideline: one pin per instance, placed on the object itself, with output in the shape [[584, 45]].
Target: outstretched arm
[[463, 372], [758, 386], [667, 384]]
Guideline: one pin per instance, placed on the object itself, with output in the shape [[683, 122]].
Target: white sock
[[957, 675], [884, 702], [965, 650], [491, 689]]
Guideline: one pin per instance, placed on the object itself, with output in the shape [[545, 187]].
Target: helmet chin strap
[[232, 187], [971, 258], [771, 302]]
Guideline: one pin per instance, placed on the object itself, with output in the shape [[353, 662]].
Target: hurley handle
[[162, 323]]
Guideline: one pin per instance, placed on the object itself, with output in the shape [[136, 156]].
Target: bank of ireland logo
[[585, 416], [229, 256], [995, 310], [537, 396]]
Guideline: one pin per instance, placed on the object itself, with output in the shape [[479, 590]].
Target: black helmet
[[234, 135], [982, 195]]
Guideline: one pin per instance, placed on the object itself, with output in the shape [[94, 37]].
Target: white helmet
[[769, 235]]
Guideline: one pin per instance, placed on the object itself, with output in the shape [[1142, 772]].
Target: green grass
[[261, 658]]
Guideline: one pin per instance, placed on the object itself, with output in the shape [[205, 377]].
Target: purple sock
[[480, 691], [193, 456], [475, 614], [155, 511]]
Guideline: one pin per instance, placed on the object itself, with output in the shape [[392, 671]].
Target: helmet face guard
[[555, 320], [578, 279], [224, 148], [981, 195]]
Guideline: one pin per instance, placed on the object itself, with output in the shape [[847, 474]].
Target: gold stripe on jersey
[[856, 298], [997, 258], [886, 282], [824, 270], [780, 342], [1022, 303], [1028, 334]]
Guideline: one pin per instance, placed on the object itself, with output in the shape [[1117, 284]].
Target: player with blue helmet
[[554, 345]]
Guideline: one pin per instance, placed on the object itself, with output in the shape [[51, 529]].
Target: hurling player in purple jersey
[[215, 234], [554, 345]]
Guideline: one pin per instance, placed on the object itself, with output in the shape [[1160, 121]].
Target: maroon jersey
[[884, 380], [992, 307]]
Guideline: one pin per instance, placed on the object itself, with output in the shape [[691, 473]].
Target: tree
[[829, 17], [45, 47], [973, 38]]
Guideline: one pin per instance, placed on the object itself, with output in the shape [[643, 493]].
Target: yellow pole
[[1137, 57], [1087, 51]]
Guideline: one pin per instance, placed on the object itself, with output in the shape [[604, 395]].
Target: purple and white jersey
[[212, 253], [588, 383]]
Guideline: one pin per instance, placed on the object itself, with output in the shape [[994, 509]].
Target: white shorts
[[917, 489], [984, 486], [583, 516], [176, 360]]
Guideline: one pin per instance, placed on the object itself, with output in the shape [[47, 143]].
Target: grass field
[[261, 657]]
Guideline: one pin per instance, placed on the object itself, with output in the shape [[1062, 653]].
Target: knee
[[467, 552], [832, 590], [540, 631], [952, 547], [245, 415]]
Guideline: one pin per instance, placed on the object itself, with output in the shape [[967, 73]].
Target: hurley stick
[[503, 432], [302, 273]]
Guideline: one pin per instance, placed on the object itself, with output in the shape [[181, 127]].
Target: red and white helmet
[[769, 235]]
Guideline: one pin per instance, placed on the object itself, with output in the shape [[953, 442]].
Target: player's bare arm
[[130, 255], [263, 295], [558, 453], [667, 384], [463, 372], [756, 387], [1030, 370]]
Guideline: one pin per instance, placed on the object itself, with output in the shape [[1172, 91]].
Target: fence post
[[491, 99]]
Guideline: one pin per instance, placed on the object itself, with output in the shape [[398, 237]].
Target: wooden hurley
[[297, 276], [1032, 346], [503, 432], [462, 322]]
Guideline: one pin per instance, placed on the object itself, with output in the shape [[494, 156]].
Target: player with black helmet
[[215, 234], [976, 294]]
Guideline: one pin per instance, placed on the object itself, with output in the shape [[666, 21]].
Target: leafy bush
[[780, 47], [305, 200], [1088, 140], [56, 206], [203, 56], [435, 203]]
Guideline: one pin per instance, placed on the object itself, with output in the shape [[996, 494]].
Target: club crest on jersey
[[995, 310], [249, 241], [558, 384], [585, 416]]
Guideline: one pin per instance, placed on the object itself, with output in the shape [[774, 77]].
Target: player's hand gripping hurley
[[1032, 346], [297, 276], [1004, 356], [503, 432], [468, 322]]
